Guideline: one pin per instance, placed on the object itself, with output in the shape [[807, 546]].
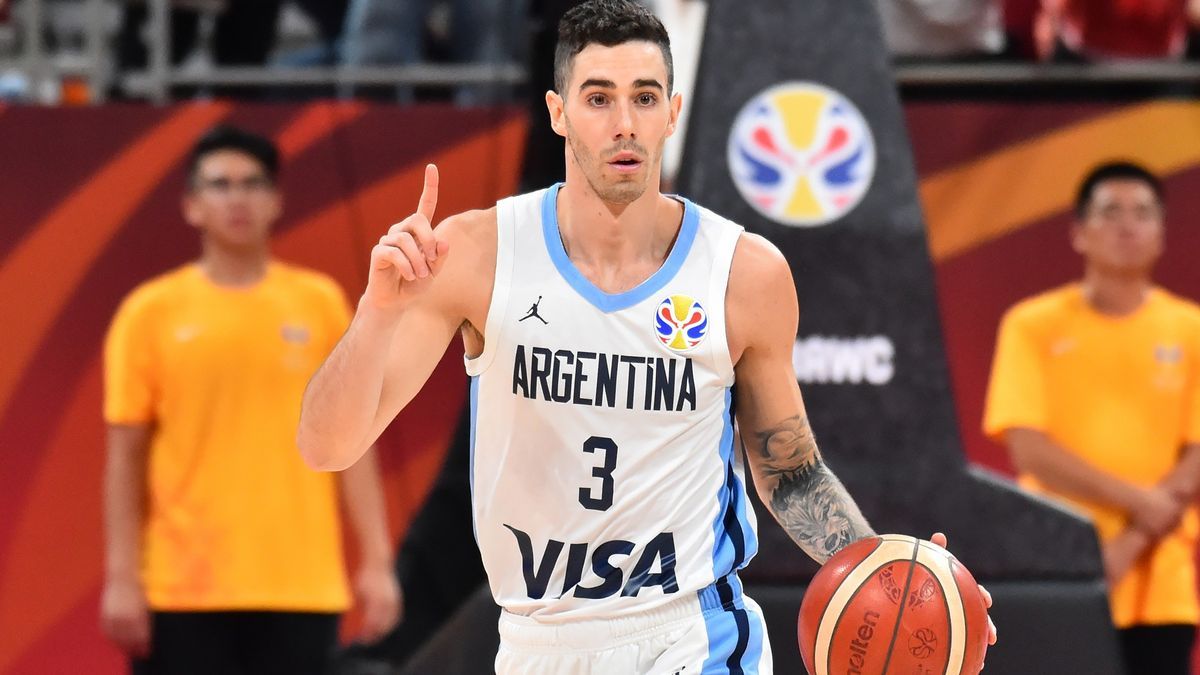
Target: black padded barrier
[[869, 354]]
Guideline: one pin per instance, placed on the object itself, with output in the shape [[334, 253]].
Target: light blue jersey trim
[[725, 549], [749, 534], [722, 642], [734, 540], [735, 634], [607, 302], [474, 416], [754, 649]]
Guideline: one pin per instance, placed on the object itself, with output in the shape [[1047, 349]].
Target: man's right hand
[[1157, 511], [408, 257], [125, 618]]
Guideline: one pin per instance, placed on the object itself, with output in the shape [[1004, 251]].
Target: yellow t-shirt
[[234, 518], [1124, 395]]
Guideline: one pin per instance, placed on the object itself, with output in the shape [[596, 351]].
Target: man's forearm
[[803, 494], [342, 399], [366, 509], [815, 509], [124, 501], [1038, 455]]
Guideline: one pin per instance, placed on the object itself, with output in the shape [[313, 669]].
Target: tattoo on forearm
[[806, 497], [791, 440]]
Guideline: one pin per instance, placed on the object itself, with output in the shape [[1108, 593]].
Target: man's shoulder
[[755, 254], [469, 223], [760, 272], [1046, 305], [155, 291], [472, 239], [310, 287], [468, 272], [307, 279], [1185, 308]]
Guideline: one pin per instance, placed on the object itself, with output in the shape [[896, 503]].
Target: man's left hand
[[940, 539], [378, 596]]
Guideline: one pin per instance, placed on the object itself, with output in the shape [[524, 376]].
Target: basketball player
[[609, 501]]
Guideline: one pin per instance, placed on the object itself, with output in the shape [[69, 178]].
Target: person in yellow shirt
[[223, 550], [1095, 389]]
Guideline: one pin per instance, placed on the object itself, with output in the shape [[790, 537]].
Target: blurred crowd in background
[[349, 34], [1042, 30]]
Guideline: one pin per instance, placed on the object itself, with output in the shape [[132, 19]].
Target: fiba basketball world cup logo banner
[[801, 154]]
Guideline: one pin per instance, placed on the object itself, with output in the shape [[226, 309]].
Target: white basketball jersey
[[603, 474]]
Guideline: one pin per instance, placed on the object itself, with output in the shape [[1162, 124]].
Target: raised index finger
[[429, 193]]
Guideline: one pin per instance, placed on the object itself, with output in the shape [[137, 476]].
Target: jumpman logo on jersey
[[533, 312]]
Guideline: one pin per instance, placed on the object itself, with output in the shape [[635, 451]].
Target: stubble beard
[[622, 192]]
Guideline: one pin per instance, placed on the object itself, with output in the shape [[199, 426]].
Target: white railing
[[1048, 73], [44, 71]]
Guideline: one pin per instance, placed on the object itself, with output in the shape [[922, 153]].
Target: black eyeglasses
[[222, 187], [1142, 213]]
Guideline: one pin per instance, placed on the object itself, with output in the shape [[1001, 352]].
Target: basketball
[[893, 604]]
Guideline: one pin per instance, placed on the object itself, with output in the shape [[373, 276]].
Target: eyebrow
[[609, 84]]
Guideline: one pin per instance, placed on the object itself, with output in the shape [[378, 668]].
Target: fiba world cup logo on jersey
[[801, 154], [680, 323]]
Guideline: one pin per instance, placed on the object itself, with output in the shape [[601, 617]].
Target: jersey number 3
[[587, 496]]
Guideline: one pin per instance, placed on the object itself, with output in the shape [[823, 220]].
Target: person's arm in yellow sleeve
[[376, 590], [1155, 510], [129, 396], [1016, 414]]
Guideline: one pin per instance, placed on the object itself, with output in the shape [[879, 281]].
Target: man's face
[[1122, 229], [232, 200], [616, 116]]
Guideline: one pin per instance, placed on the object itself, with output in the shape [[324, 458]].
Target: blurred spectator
[[1019, 19], [244, 32], [1105, 30], [942, 28], [392, 32], [1193, 50], [1095, 389], [329, 17], [222, 549]]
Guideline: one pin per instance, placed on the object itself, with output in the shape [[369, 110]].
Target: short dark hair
[[225, 137], [1120, 170], [609, 23]]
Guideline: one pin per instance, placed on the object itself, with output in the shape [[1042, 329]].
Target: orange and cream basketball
[[893, 604]]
